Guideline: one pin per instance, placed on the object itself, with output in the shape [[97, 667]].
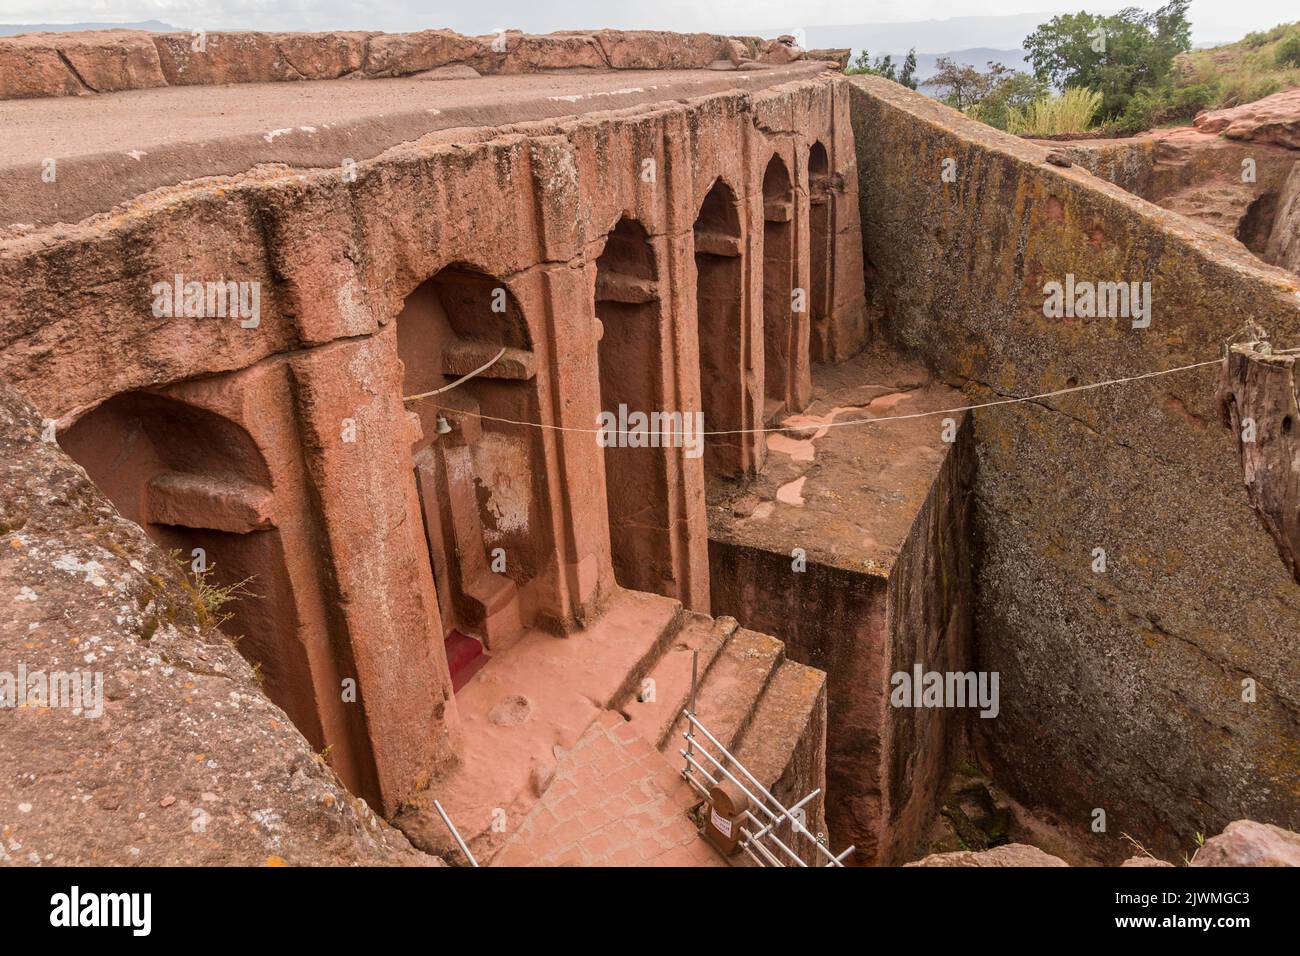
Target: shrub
[[1165, 105], [1288, 51]]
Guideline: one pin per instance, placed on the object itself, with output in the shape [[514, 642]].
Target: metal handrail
[[771, 807], [455, 833], [753, 800]]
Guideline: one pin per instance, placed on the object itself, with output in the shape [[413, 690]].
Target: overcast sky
[[1211, 19]]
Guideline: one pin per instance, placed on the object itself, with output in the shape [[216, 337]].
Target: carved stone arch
[[724, 347], [479, 461], [198, 484], [780, 351]]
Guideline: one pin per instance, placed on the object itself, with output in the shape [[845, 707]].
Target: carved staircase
[[598, 702]]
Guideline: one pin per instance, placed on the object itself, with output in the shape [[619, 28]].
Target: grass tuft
[[1052, 115]]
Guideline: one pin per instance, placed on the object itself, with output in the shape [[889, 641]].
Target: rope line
[[460, 381], [856, 421]]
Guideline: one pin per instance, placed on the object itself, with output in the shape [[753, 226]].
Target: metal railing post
[[455, 833], [764, 801], [690, 735]]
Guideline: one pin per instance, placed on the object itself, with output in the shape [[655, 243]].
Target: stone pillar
[[800, 390], [569, 393], [848, 331], [356, 442], [689, 527]]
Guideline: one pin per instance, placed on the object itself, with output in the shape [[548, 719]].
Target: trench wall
[[1120, 691]]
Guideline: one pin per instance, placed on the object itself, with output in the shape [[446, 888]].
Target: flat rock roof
[[111, 147], [847, 494]]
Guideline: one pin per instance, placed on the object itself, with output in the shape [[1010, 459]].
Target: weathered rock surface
[[1128, 683], [1273, 119], [1261, 405], [63, 64], [1283, 246], [783, 49], [1247, 843], [1012, 854], [1235, 186], [1243, 843], [181, 759]]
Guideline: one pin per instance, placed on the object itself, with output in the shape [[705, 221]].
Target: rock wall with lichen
[[1127, 690], [163, 749]]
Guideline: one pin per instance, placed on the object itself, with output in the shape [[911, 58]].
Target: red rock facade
[[617, 258]]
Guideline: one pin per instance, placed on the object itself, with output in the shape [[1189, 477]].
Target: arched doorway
[[719, 284], [631, 360], [779, 347], [198, 485], [820, 212], [478, 470]]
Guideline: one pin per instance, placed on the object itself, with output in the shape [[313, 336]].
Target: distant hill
[[974, 40], [930, 36], [978, 57], [152, 26], [1243, 71]]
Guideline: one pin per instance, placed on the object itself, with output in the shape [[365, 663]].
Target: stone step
[[732, 688], [652, 653], [654, 719], [784, 747], [528, 704]]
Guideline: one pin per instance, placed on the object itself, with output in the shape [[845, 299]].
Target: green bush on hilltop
[[1288, 52]]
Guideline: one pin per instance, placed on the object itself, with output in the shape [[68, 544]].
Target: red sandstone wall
[[930, 622], [886, 767], [72, 64], [336, 259]]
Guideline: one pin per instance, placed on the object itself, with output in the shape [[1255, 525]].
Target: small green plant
[[211, 598], [1068, 112], [1200, 842], [208, 599]]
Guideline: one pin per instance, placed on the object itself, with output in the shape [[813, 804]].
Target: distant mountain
[[979, 57], [930, 36], [977, 41], [152, 26]]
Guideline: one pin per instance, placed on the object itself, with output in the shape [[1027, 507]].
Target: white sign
[[722, 823]]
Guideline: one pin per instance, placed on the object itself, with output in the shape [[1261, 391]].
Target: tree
[[1116, 55], [882, 66], [907, 76], [989, 95], [885, 66], [1013, 92]]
